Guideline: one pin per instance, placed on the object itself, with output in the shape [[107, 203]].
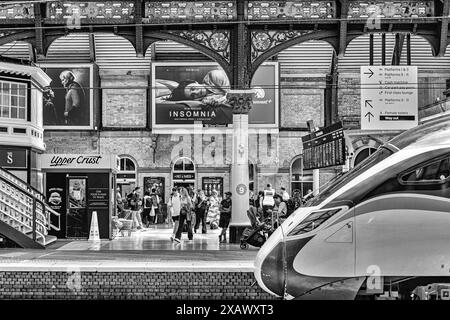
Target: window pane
[[433, 172], [129, 165], [22, 113], [6, 88], [14, 89], [13, 113], [22, 102], [188, 165], [14, 101], [5, 112], [23, 90]]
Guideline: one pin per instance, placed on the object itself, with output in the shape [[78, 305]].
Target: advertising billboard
[[68, 101], [187, 93]]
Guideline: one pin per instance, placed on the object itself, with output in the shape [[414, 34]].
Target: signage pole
[[240, 101]]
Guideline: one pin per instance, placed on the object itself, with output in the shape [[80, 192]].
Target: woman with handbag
[[185, 215]]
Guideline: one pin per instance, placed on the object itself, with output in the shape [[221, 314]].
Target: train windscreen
[[381, 154]]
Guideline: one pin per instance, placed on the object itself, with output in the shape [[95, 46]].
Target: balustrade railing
[[23, 208]]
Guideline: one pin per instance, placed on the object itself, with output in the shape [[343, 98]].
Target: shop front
[[76, 185]]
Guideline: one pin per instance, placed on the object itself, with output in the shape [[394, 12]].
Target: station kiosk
[[77, 185]]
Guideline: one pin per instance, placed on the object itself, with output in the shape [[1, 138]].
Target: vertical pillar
[[240, 101], [316, 182], [371, 49]]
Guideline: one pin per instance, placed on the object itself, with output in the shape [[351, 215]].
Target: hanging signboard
[[324, 148], [389, 97]]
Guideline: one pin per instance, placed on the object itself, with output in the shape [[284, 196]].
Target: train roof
[[433, 130]]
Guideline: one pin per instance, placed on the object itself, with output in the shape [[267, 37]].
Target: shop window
[[437, 171], [363, 154], [13, 100]]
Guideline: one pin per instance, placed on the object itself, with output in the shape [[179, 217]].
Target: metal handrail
[[41, 217]]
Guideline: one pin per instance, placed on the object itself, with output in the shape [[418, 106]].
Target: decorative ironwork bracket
[[215, 40], [263, 41]]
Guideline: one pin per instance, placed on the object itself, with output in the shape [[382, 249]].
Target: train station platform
[[146, 265]]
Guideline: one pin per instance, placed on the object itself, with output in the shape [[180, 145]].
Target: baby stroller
[[258, 233]]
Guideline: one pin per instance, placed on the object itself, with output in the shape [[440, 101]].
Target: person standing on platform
[[133, 203], [146, 209], [174, 207], [267, 200], [185, 215], [284, 194], [225, 216], [200, 211]]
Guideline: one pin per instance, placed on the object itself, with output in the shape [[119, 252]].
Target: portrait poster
[[212, 183], [184, 94], [68, 101]]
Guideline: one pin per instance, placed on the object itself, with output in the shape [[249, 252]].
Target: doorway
[[183, 173], [77, 215]]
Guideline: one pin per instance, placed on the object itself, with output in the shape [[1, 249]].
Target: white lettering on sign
[[58, 161], [9, 158], [389, 97]]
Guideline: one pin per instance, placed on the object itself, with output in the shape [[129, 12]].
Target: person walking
[[174, 207], [200, 211], [185, 215], [225, 216]]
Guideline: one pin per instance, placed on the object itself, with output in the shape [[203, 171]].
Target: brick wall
[[124, 108], [301, 99], [130, 285]]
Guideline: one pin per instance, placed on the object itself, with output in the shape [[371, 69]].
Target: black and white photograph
[[225, 159], [67, 101]]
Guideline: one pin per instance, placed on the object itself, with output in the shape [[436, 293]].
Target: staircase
[[25, 219]]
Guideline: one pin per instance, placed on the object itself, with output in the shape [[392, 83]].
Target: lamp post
[[241, 102]]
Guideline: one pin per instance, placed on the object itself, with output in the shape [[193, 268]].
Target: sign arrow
[[367, 103], [370, 73], [369, 114]]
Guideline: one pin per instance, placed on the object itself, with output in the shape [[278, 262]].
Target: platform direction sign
[[389, 97]]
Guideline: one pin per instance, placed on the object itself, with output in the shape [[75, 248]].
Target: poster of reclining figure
[[187, 93]]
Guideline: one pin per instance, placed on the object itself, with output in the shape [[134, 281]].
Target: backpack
[[290, 207]]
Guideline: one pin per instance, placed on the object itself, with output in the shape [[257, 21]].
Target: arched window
[[126, 177], [362, 154], [126, 164], [183, 173]]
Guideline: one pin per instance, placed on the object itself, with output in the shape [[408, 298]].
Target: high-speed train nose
[[269, 270]]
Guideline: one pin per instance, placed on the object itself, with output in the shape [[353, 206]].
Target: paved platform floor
[[150, 251]]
